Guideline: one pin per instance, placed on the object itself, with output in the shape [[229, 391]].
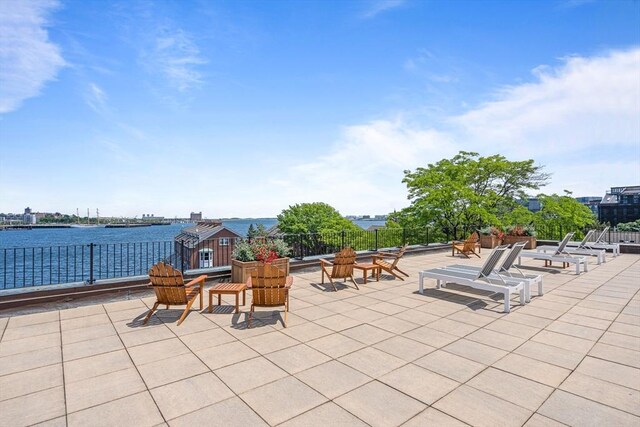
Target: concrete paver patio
[[381, 356]]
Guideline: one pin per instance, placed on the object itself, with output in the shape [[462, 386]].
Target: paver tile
[[26, 361], [367, 334], [172, 369], [481, 409], [336, 345], [228, 413], [431, 337], [574, 410], [250, 374], [225, 354], [157, 350], [404, 348], [33, 319], [550, 354], [455, 367], [297, 358], [538, 420], [34, 380], [328, 414], [190, 394], [24, 345], [433, 417], [380, 405], [282, 400], [92, 347], [372, 362], [620, 355], [610, 371], [136, 410], [81, 369], [333, 378], [419, 383], [601, 391], [209, 338], [512, 388], [30, 331], [338, 322], [40, 406], [270, 342], [532, 369], [105, 388], [475, 351], [307, 332]]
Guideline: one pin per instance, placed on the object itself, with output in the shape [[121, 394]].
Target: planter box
[[240, 271], [531, 241], [489, 241]]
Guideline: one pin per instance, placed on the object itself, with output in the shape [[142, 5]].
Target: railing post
[[182, 256], [427, 230], [342, 240], [404, 235], [376, 230], [91, 279], [300, 245]]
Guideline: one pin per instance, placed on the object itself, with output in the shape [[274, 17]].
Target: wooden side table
[[365, 271], [228, 289]]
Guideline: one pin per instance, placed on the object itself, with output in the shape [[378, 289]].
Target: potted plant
[[246, 256], [490, 237], [519, 233]]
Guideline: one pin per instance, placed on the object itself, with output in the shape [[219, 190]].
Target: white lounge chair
[[481, 279], [581, 249], [601, 243], [560, 255], [508, 269]]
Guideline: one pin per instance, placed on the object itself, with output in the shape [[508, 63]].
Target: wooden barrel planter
[[240, 271]]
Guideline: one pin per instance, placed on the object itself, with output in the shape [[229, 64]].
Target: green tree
[[313, 218], [561, 214], [467, 191]]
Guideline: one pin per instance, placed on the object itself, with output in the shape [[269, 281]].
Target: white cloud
[[378, 6], [96, 98], [28, 59], [176, 56], [578, 119]]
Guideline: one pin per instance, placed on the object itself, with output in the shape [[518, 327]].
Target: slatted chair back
[[399, 255], [511, 257], [563, 243], [268, 285], [168, 284], [471, 243], [586, 239], [491, 261], [600, 238], [343, 263]]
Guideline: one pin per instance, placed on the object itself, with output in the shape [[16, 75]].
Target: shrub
[[260, 250]]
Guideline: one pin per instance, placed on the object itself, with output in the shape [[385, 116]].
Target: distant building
[[208, 244], [592, 202], [380, 217], [194, 217], [533, 204], [621, 204], [152, 218]]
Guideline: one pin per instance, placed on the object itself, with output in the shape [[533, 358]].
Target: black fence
[[57, 265]]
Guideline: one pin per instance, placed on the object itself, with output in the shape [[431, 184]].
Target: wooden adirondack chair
[[270, 288], [170, 289], [341, 267], [468, 246], [390, 267]]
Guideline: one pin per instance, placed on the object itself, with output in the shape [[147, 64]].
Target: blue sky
[[242, 108]]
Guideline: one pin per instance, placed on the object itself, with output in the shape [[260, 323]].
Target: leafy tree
[[313, 218], [320, 224], [561, 214], [629, 226], [467, 191], [258, 231]]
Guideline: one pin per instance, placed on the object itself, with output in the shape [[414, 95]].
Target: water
[[101, 235]]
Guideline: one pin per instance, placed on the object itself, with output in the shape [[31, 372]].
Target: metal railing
[[57, 265]]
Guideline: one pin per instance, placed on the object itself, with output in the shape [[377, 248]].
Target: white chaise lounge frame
[[600, 243], [507, 268], [480, 280], [581, 249], [559, 256]]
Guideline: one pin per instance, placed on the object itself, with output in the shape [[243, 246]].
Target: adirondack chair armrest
[[324, 262], [289, 282], [385, 255], [196, 281]]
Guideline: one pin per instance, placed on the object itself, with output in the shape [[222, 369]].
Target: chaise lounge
[[560, 255], [581, 249], [483, 279]]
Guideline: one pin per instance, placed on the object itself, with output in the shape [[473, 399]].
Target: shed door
[[206, 258]]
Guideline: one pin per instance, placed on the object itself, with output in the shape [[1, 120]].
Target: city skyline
[[241, 109]]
